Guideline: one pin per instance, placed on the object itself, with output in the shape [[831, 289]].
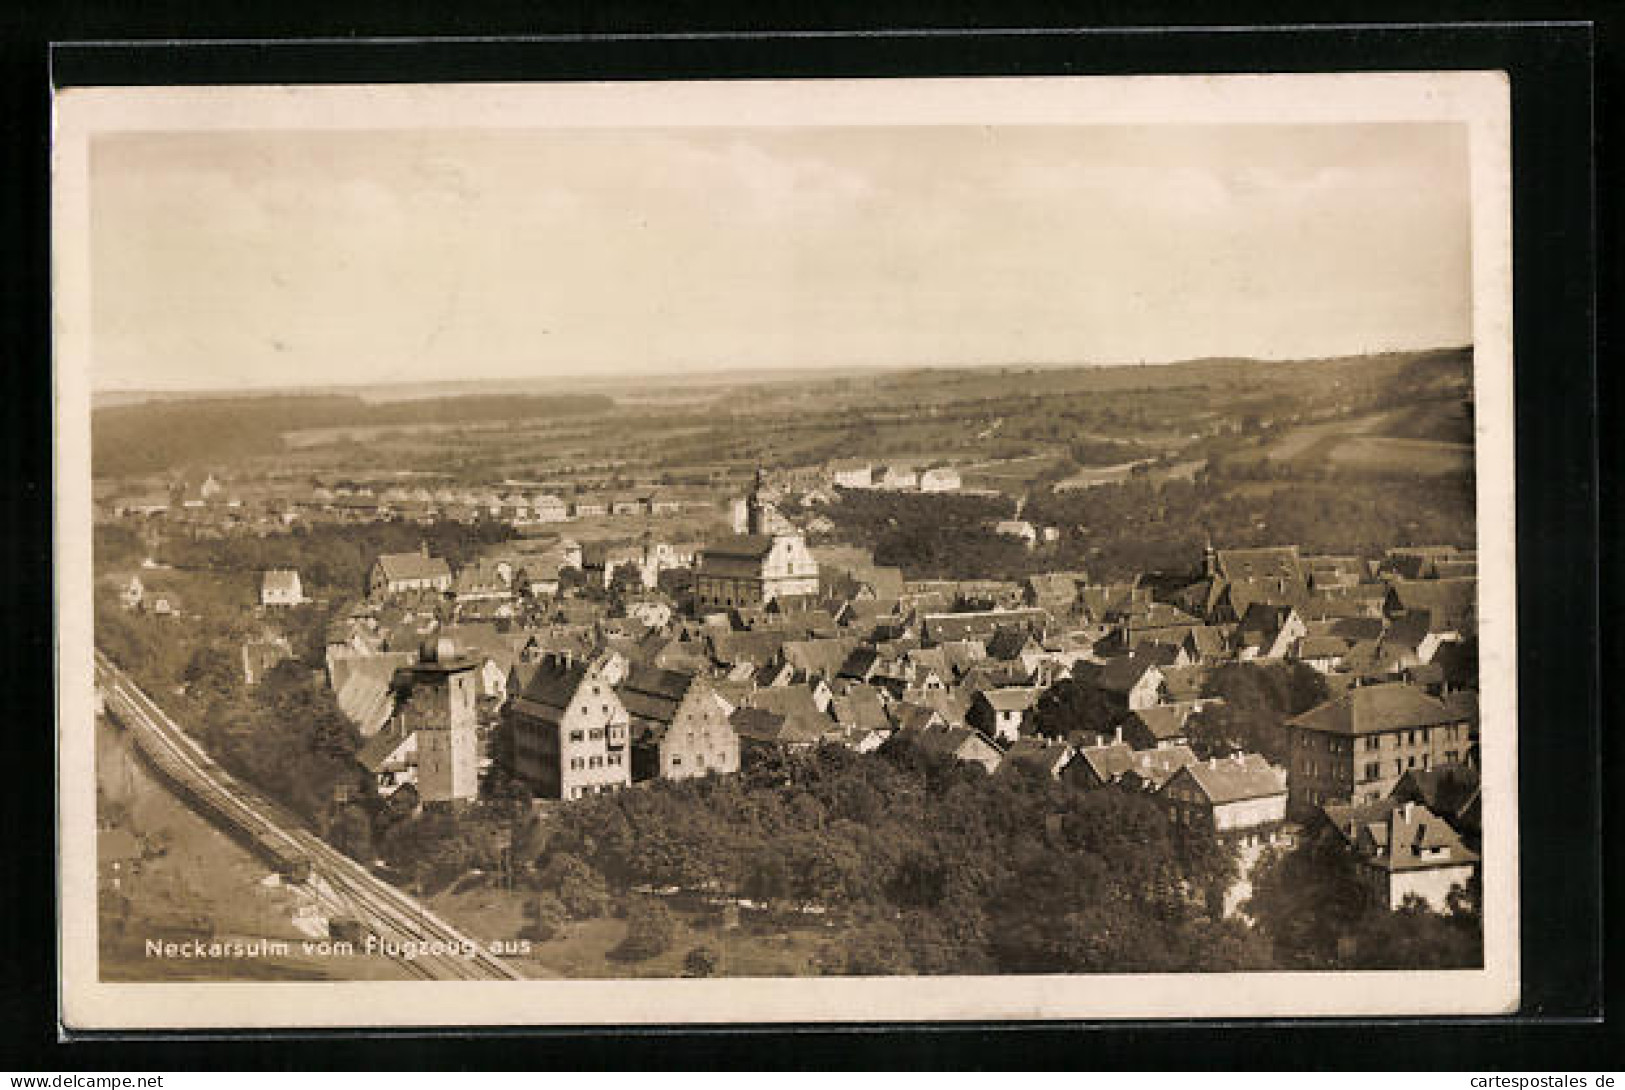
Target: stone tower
[[440, 708]]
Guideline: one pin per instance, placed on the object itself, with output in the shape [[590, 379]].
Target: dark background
[[1564, 90]]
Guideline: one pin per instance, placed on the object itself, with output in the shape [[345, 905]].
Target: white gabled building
[[281, 587]]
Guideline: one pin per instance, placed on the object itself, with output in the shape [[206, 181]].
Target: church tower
[[756, 507]]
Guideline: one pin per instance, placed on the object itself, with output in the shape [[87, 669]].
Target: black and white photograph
[[785, 550]]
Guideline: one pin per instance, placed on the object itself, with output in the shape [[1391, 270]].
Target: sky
[[295, 258]]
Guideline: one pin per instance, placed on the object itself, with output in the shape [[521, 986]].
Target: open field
[[1404, 455], [642, 433], [196, 875], [583, 949]]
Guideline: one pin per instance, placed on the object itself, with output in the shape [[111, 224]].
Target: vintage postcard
[[819, 551]]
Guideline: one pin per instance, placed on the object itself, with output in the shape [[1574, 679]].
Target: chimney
[[1117, 736], [1407, 812], [1237, 757], [1213, 762]]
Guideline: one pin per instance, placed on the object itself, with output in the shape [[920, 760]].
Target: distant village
[[581, 667]]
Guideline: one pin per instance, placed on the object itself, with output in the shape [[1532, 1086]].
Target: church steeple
[[756, 506]]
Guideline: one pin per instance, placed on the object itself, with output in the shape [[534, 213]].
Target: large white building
[[770, 561]]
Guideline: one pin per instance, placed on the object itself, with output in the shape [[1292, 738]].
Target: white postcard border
[[1479, 100]]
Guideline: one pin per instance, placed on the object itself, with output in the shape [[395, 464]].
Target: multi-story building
[[1240, 797], [1403, 849], [680, 726], [569, 730], [769, 562], [1356, 747]]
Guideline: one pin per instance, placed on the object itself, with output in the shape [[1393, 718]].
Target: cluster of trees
[[933, 536], [932, 866], [1119, 530], [329, 558], [1259, 697], [1106, 452], [155, 436], [285, 735]]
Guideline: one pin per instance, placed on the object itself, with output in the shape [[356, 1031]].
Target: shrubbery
[[650, 931], [956, 872]]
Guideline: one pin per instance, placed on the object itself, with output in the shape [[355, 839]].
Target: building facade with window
[[680, 726], [570, 731], [1357, 747], [768, 562]]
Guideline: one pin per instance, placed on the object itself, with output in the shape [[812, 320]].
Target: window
[[1373, 741], [1373, 770], [676, 762], [595, 762], [596, 734], [700, 760], [575, 736], [1410, 762]]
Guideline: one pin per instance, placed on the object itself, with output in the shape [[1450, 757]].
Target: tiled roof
[[1268, 563], [551, 688], [1164, 722], [400, 566], [1007, 643], [741, 546], [1448, 789], [757, 647], [860, 707], [1450, 603], [1412, 837], [651, 696], [1154, 767], [377, 750], [951, 627], [820, 656], [365, 696], [1042, 753], [1234, 779], [910, 716], [1108, 762], [954, 741], [795, 703], [1368, 709], [1014, 699], [1122, 674]]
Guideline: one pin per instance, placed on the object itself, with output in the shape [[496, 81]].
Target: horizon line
[[760, 373]]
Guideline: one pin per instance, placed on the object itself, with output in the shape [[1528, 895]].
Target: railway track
[[404, 929]]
